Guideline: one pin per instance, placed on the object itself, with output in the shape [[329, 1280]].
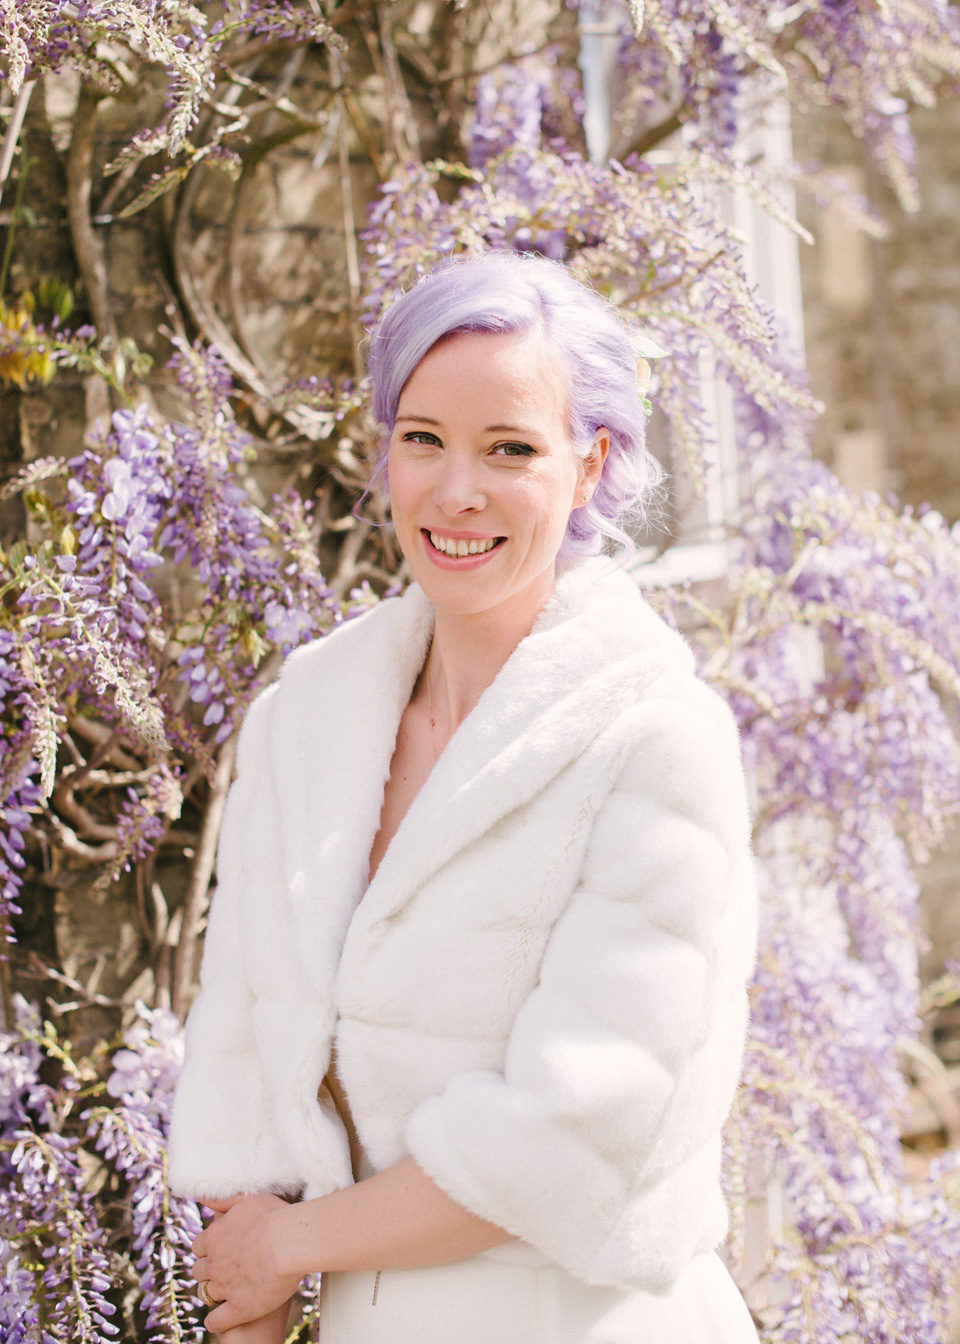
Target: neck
[[468, 651]]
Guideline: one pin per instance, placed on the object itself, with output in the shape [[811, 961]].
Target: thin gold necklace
[[433, 722]]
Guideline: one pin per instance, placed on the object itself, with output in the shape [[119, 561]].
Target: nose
[[457, 488]]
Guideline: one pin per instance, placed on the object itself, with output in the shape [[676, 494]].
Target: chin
[[474, 595]]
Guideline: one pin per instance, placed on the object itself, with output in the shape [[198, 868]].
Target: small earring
[[583, 498]]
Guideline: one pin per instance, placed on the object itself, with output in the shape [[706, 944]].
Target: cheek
[[553, 497], [400, 485]]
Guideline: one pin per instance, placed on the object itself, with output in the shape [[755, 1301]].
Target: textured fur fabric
[[542, 993]]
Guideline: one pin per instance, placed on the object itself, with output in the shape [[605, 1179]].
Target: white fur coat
[[542, 993]]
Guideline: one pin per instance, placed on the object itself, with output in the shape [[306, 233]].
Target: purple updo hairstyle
[[512, 291]]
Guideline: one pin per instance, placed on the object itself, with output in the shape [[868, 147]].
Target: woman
[[473, 997]]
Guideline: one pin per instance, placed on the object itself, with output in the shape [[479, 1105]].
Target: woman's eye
[[420, 436], [514, 449]]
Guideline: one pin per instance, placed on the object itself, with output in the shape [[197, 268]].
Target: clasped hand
[[236, 1259]]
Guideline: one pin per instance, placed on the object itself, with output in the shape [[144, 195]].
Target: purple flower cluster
[[858, 771], [131, 1137], [252, 594], [20, 795], [153, 589], [162, 494], [888, 1277], [695, 62], [687, 67], [61, 1276], [58, 1279], [51, 1211], [41, 35], [16, 808], [143, 817], [663, 252], [24, 1100], [56, 1273], [880, 588], [279, 20], [32, 352], [508, 113], [117, 500]]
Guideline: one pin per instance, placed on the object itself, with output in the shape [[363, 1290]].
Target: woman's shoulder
[[674, 726], [331, 676], [353, 643], [632, 622], [608, 604]]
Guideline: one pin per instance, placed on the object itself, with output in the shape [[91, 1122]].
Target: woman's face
[[482, 472]]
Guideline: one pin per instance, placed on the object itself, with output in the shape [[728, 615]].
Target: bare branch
[[71, 843], [349, 222], [110, 740], [87, 243], [195, 903], [85, 998], [84, 823], [13, 131], [362, 127], [346, 575], [651, 136]]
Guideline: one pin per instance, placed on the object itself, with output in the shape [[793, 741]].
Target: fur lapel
[[594, 647]]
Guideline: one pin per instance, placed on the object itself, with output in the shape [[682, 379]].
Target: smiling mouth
[[457, 549]]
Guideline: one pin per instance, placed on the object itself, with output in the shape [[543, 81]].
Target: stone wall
[[883, 318]]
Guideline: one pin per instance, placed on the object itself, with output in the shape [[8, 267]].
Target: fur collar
[[333, 726]]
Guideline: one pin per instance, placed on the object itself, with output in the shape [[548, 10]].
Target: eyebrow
[[490, 429]]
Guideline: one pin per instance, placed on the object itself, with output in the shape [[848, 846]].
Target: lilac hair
[[507, 292]]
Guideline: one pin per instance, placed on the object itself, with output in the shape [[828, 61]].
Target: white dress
[[490, 1298]]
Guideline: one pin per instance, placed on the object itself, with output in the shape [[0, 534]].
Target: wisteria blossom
[[131, 1136], [857, 772]]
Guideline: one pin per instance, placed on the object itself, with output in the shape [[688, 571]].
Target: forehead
[[515, 369]]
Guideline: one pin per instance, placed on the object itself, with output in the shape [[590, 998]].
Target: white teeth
[[450, 547]]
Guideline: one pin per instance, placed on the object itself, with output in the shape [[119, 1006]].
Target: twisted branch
[[87, 243]]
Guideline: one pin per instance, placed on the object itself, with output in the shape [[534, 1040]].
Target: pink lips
[[444, 561]]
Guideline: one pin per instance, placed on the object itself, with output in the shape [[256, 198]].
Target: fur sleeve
[[600, 1143], [222, 1141]]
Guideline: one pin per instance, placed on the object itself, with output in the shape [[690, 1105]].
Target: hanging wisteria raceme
[[156, 506], [131, 1137], [857, 770], [41, 35], [20, 794], [56, 1278], [652, 241], [866, 60]]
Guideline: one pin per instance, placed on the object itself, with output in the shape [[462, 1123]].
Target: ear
[[591, 466]]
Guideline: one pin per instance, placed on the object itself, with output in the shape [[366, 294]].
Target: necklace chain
[[433, 722]]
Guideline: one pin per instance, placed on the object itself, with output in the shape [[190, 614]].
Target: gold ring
[[205, 1294]]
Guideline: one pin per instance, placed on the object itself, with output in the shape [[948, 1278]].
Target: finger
[[210, 1299], [222, 1205], [199, 1268], [224, 1317]]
